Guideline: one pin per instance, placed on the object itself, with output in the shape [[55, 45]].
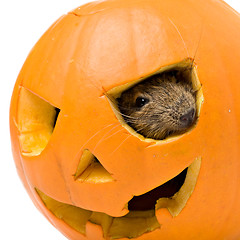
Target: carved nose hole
[[91, 170]]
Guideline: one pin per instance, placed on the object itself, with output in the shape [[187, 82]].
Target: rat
[[160, 106]]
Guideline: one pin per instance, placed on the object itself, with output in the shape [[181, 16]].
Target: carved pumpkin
[[86, 170]]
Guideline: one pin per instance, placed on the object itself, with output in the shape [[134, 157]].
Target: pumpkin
[[91, 174]]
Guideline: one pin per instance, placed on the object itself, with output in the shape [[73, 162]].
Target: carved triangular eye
[[36, 120], [91, 170]]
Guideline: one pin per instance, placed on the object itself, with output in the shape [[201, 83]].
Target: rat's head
[[159, 106]]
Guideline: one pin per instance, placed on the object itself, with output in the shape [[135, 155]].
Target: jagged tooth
[[176, 204]]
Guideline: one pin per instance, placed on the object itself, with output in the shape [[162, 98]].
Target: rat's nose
[[187, 119]]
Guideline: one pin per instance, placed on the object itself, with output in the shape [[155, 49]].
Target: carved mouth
[[141, 218], [148, 200]]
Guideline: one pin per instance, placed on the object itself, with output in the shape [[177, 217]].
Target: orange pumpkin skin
[[110, 43]]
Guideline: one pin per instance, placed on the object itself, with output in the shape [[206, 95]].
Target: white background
[[22, 22]]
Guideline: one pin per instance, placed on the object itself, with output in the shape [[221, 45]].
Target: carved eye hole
[[141, 101], [36, 120], [182, 73]]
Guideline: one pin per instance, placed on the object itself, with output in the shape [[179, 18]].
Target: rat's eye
[[141, 101]]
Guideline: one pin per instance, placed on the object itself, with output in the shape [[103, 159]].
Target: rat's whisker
[[104, 136]]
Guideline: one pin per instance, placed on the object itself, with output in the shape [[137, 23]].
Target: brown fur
[[169, 99]]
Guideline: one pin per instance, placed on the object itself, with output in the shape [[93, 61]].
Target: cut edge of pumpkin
[[133, 224], [185, 65], [36, 120]]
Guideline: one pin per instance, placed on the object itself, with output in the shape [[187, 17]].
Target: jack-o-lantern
[[85, 168]]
